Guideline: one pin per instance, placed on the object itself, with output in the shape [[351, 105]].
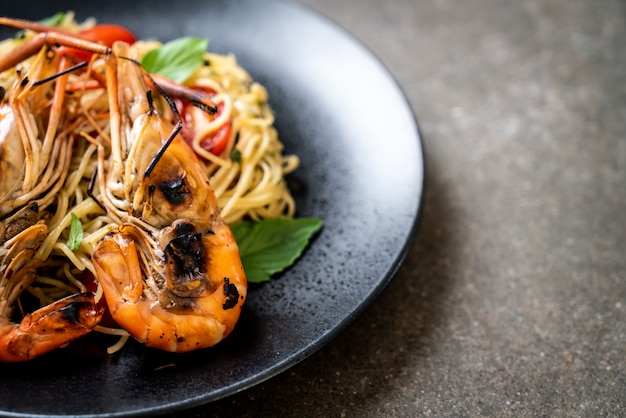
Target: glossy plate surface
[[362, 171]]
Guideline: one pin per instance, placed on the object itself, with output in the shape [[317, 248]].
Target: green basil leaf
[[76, 233], [177, 59], [53, 20], [235, 156], [271, 245]]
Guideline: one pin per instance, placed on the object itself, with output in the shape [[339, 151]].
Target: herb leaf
[[271, 245], [177, 59], [76, 233], [235, 156], [53, 20]]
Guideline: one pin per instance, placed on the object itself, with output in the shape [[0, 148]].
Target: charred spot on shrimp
[[71, 313], [185, 258], [174, 191], [231, 293]]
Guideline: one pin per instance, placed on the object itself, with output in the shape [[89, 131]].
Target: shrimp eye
[[174, 190]]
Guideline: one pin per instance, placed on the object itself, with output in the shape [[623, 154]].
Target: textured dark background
[[512, 300]]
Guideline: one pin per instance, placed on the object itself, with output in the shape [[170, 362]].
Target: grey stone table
[[512, 299]]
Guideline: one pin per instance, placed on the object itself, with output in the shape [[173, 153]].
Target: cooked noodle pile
[[247, 176]]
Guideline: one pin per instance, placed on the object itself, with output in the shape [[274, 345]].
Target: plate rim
[[374, 292]]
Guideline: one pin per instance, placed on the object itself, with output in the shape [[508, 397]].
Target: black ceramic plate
[[362, 173]]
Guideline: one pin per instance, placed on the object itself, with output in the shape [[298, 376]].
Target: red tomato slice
[[106, 34], [217, 142], [194, 118], [89, 280]]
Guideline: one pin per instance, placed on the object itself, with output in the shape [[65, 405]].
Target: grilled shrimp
[[34, 158], [34, 151], [171, 275], [49, 327]]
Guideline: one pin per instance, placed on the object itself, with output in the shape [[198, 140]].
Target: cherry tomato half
[[193, 121], [106, 34], [194, 118]]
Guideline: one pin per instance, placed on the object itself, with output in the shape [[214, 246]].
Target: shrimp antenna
[[60, 73], [150, 102], [177, 127], [91, 186]]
